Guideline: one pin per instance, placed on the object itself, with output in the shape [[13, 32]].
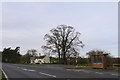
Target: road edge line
[[4, 74], [47, 74]]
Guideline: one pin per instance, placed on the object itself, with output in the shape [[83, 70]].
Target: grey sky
[[25, 24], [1, 26]]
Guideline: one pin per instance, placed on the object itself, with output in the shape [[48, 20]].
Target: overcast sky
[[25, 24]]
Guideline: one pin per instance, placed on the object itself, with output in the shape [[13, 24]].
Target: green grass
[[90, 68], [26, 64], [76, 68], [63, 64], [2, 75], [87, 67]]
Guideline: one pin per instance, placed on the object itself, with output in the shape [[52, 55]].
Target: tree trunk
[[64, 58], [59, 57]]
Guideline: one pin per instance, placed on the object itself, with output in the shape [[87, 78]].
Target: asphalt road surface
[[51, 71]]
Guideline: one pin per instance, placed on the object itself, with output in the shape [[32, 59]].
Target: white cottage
[[40, 59]]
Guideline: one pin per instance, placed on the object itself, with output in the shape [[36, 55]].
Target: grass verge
[[2, 76], [26, 64], [97, 69]]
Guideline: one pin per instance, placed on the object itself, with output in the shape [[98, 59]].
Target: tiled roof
[[38, 57]]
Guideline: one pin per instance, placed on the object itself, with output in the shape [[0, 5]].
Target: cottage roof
[[39, 57]]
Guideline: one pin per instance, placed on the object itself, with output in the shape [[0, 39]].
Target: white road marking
[[47, 74], [25, 69], [99, 73], [115, 74], [31, 70], [4, 74]]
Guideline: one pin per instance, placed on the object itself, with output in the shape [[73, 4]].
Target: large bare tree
[[63, 41]]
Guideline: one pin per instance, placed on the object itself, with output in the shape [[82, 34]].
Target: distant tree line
[[26, 58], [11, 55]]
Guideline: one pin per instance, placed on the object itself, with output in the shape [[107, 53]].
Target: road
[[18, 71]]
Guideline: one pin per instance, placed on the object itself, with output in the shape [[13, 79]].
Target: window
[[97, 59]]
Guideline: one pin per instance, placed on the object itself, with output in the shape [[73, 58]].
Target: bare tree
[[32, 52], [93, 52], [63, 41]]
